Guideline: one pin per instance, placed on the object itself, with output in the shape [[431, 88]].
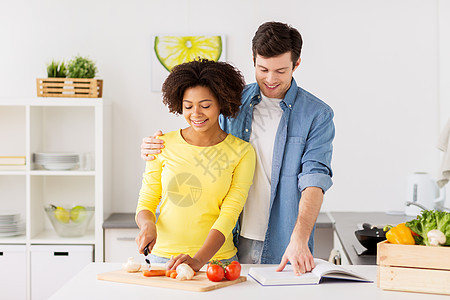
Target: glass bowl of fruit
[[70, 222]]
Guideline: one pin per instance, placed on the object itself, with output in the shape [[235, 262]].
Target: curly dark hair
[[225, 82], [275, 38]]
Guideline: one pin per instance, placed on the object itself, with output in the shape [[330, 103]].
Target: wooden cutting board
[[200, 283]]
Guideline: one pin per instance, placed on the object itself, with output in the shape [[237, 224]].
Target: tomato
[[215, 272], [233, 270]]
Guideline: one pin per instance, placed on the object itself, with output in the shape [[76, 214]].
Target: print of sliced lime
[[175, 50]]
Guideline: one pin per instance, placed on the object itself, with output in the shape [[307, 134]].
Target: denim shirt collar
[[291, 95], [256, 97]]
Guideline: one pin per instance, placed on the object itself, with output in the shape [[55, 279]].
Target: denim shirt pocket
[[293, 152]]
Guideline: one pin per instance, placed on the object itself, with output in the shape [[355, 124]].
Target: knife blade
[[147, 259]]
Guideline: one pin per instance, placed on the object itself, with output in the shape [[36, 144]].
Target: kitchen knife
[[147, 259]]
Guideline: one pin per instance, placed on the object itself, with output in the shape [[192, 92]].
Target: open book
[[323, 269]]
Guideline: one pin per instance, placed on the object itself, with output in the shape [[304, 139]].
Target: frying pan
[[369, 236]]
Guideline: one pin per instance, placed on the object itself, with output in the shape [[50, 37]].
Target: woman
[[203, 178]]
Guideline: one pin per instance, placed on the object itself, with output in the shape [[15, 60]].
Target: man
[[292, 133]]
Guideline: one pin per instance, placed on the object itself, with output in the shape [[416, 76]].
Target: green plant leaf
[[81, 67], [55, 69]]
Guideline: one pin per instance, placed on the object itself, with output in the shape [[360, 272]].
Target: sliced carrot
[[168, 273], [151, 273], [173, 274]]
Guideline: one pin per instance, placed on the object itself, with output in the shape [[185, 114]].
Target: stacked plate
[[57, 161], [10, 224]]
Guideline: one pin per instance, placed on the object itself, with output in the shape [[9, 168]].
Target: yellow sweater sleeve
[[150, 193], [234, 201]]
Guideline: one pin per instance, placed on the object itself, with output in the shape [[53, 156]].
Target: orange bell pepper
[[400, 234]]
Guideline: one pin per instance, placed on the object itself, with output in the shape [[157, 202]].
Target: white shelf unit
[[35, 125]]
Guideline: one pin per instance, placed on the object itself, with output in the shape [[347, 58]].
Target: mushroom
[[184, 272], [436, 237], [131, 266]]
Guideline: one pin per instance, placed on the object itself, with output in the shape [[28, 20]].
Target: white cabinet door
[[13, 272], [53, 265], [120, 244], [338, 250]]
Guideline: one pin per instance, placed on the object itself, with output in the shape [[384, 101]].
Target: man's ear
[[297, 64], [254, 60]]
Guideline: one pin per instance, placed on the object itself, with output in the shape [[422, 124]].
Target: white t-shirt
[[265, 121]]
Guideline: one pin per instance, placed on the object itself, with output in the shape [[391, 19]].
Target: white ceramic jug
[[422, 193]]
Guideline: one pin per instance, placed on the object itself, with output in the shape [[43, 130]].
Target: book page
[[329, 270], [322, 267], [269, 276]]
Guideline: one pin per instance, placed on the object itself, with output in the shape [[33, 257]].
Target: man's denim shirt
[[301, 158]]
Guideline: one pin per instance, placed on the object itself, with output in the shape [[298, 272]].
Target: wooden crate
[[413, 268], [69, 87]]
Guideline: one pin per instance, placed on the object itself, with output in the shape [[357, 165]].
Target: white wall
[[375, 62], [444, 70]]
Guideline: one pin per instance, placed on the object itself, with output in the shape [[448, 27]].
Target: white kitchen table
[[86, 286]]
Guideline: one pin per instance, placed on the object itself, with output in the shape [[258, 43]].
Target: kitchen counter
[[120, 230], [126, 220], [86, 286], [120, 220], [346, 223]]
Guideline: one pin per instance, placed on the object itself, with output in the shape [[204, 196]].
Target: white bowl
[[70, 227], [59, 166]]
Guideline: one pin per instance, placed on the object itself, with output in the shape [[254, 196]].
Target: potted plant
[[81, 67], [80, 82], [55, 69]]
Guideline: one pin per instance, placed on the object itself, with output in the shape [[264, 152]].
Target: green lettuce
[[429, 220]]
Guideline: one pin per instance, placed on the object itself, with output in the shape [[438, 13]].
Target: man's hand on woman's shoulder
[[151, 145]]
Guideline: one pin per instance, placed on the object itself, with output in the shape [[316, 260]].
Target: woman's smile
[[198, 123]]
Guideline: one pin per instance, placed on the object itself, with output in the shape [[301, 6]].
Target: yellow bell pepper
[[400, 234]]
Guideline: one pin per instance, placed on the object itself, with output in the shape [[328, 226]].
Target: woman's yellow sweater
[[198, 189]]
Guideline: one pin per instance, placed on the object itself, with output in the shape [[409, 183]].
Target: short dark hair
[[275, 38], [225, 82]]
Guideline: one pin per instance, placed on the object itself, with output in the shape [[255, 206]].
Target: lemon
[[78, 214], [61, 214], [175, 50]]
